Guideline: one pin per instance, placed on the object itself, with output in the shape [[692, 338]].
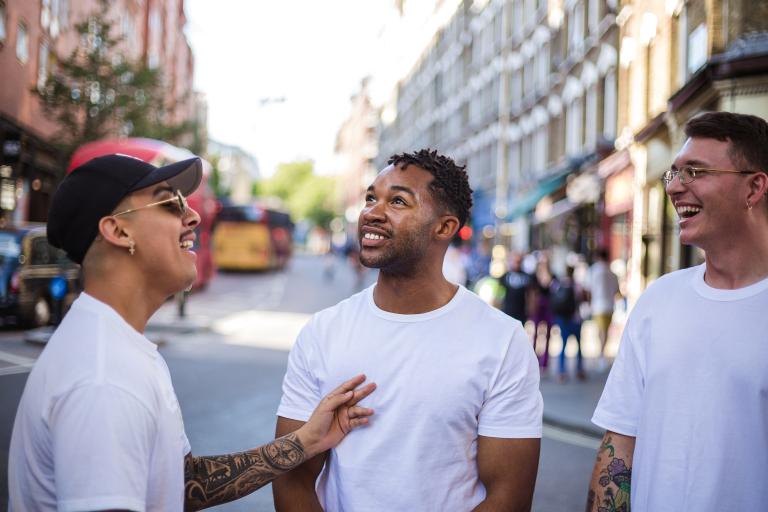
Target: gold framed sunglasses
[[177, 204], [688, 173]]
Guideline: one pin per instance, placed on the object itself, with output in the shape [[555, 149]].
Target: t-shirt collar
[[719, 294], [418, 317]]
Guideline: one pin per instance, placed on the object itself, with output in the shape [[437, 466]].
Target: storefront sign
[[619, 192]]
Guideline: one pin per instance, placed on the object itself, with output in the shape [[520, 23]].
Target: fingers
[[348, 385], [333, 402], [358, 412], [361, 393]]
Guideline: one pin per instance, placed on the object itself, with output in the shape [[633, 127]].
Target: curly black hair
[[450, 186]]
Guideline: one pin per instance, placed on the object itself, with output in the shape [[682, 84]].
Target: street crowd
[[414, 393]]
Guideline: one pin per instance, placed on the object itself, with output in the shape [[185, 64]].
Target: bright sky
[[311, 52]]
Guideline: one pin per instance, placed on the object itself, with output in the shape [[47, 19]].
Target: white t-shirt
[[603, 286], [98, 426], [691, 384], [444, 377]]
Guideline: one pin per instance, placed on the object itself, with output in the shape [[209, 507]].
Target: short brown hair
[[747, 134]]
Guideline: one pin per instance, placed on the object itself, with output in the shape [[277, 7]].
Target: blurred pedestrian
[[518, 289], [98, 426], [454, 268], [565, 297], [542, 310], [460, 417], [603, 291], [685, 406]]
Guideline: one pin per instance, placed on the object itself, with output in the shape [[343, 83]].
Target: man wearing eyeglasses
[[98, 426], [685, 406]]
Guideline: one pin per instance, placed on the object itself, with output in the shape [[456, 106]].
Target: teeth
[[687, 209], [373, 236], [186, 244]]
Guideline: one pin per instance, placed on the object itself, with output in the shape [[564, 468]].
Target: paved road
[[228, 376]]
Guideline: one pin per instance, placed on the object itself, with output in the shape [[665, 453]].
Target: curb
[[589, 431]]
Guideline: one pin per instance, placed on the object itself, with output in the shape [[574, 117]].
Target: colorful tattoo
[[222, 478]]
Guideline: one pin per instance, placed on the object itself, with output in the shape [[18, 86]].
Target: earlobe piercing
[[132, 245]]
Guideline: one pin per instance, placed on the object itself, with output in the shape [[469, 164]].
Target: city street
[[227, 359]]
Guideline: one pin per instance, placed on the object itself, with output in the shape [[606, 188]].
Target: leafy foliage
[[307, 196], [97, 92]]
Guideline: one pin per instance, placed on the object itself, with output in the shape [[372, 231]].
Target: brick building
[[32, 33]]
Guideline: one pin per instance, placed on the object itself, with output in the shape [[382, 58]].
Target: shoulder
[[661, 288], [484, 319]]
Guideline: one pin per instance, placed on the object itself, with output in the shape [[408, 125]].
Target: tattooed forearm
[[217, 479], [612, 477]]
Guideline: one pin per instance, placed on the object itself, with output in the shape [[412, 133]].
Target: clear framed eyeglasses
[[688, 173]]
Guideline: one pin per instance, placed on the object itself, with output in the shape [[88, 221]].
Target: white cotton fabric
[[444, 377], [98, 426], [691, 384], [603, 287]]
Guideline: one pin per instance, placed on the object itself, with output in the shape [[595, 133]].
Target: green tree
[[97, 92], [307, 196]]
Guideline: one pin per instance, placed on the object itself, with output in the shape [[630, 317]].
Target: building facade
[[32, 34], [524, 93]]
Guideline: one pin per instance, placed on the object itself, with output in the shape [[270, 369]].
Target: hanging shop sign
[[619, 192]]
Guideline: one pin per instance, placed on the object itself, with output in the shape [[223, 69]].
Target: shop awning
[[522, 205]]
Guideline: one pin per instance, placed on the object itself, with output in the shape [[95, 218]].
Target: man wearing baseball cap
[[98, 426]]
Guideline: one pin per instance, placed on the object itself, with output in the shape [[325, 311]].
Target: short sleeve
[[301, 389], [102, 439], [619, 407], [513, 406]]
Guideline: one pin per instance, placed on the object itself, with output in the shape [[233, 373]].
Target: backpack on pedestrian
[[562, 298]]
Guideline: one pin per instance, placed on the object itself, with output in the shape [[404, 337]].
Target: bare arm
[[611, 481], [507, 468], [296, 490], [213, 480]]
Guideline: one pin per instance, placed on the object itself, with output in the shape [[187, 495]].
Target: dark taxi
[[38, 282]]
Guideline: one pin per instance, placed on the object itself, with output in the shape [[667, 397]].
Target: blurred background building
[[35, 35], [566, 113]]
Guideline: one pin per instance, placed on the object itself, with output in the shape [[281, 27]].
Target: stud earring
[[749, 205], [131, 247]]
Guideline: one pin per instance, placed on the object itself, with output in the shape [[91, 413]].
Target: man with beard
[[458, 412]]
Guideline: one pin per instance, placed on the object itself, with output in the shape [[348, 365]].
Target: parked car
[[38, 282]]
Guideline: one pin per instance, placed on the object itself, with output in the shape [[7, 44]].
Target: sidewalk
[[570, 405]]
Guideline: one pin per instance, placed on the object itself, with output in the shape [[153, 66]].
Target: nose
[[373, 213], [675, 186], [191, 218]]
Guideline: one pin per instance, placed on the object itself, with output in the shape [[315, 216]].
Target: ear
[[113, 232], [758, 187], [447, 227]]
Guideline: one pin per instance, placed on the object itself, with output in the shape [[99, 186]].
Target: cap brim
[[184, 176]]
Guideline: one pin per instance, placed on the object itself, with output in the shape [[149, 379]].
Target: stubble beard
[[403, 259]]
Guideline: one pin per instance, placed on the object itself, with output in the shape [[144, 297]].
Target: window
[[42, 65], [22, 43], [2, 23], [45, 13], [590, 128], [609, 110], [595, 16], [574, 120], [576, 29]]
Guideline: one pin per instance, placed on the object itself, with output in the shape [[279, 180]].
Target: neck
[[741, 262], [423, 291], [128, 295]]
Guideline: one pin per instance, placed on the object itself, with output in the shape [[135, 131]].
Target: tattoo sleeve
[[213, 480], [611, 480]]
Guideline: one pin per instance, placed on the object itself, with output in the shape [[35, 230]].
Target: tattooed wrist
[[212, 480]]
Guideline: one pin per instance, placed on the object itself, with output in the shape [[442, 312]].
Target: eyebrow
[[160, 190], [692, 163], [403, 189]]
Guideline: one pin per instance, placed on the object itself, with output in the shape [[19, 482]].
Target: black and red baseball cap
[[93, 191]]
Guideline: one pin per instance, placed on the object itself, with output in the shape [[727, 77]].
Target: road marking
[[21, 364], [570, 437]]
